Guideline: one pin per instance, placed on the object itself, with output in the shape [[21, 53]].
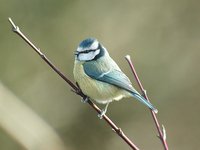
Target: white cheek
[[85, 57], [88, 56]]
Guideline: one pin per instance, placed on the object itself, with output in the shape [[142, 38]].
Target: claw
[[85, 99], [103, 112]]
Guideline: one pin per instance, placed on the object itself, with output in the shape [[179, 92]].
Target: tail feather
[[144, 101]]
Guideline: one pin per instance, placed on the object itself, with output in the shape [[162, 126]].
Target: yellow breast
[[99, 91]]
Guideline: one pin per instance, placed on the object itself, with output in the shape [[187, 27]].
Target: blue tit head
[[89, 49]]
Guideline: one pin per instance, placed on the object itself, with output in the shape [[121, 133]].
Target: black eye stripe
[[87, 51], [84, 52]]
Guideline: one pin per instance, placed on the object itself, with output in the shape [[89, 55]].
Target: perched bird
[[100, 78]]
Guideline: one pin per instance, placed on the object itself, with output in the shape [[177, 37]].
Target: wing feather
[[112, 76]]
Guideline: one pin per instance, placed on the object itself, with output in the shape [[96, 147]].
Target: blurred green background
[[163, 39]]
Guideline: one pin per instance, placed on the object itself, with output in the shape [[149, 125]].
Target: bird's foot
[[103, 112], [84, 99]]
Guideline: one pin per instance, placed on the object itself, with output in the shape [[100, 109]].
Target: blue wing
[[114, 77]]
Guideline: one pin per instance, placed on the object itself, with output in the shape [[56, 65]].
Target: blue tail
[[144, 101]]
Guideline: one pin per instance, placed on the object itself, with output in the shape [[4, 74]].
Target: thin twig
[[75, 89], [161, 132]]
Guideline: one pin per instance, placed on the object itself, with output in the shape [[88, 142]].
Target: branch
[[76, 89], [161, 132]]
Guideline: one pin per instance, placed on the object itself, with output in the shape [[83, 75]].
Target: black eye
[[87, 51]]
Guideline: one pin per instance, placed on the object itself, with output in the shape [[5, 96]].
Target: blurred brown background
[[162, 38]]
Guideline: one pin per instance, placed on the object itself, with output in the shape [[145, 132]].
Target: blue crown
[[87, 42]]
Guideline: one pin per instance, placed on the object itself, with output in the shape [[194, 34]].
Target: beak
[[76, 53]]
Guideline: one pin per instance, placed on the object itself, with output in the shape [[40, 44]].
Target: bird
[[100, 78]]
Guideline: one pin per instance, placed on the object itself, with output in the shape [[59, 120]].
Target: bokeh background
[[163, 39]]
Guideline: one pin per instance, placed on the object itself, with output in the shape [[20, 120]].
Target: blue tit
[[100, 78]]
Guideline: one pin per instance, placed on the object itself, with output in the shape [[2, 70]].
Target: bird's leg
[[103, 111]]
